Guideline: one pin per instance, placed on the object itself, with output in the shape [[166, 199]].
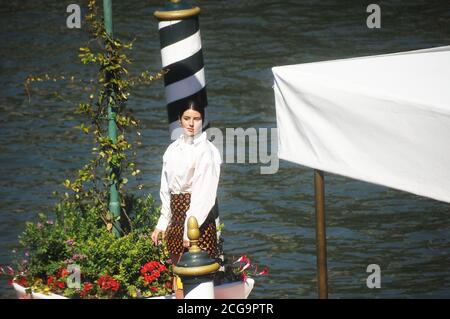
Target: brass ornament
[[177, 14]]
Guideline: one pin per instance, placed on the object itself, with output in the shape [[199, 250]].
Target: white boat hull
[[234, 290]]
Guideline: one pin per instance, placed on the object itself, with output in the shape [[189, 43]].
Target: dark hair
[[191, 105]]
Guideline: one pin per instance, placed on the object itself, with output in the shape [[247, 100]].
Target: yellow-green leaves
[[103, 106], [83, 128]]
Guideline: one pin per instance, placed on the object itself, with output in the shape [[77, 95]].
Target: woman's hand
[[186, 243], [155, 236]]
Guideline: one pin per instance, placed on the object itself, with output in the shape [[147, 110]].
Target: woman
[[189, 179]]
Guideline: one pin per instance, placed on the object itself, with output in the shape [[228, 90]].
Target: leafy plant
[[77, 234], [126, 267], [114, 161]]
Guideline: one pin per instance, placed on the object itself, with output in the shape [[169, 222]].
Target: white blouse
[[190, 165]]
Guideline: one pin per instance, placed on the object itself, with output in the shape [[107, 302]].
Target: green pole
[[114, 206], [107, 15]]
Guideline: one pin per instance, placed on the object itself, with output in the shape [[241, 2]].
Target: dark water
[[269, 217]]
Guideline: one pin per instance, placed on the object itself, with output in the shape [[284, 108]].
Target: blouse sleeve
[[164, 194], [204, 187]]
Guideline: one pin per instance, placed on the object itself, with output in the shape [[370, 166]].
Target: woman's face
[[191, 122]]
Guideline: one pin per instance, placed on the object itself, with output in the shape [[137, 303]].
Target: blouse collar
[[193, 140]]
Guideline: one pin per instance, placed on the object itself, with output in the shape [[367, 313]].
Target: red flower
[[63, 273], [60, 284], [87, 287], [10, 270], [153, 289], [107, 282], [243, 259], [264, 272], [152, 270], [149, 279], [246, 269], [54, 284], [50, 280], [115, 286], [168, 284], [22, 281]]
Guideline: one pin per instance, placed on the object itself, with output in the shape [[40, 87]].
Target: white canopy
[[381, 119]]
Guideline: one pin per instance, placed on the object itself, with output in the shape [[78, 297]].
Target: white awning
[[381, 119]]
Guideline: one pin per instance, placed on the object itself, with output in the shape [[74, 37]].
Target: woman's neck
[[190, 139]]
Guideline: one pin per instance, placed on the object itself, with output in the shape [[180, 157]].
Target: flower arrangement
[[76, 257], [83, 249], [106, 284], [239, 269], [157, 277], [245, 269]]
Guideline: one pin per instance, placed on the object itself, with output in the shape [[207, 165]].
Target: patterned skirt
[[179, 204]]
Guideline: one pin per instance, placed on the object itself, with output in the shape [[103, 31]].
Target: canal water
[[268, 217]]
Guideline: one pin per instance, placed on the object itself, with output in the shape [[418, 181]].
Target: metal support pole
[[114, 204], [321, 240]]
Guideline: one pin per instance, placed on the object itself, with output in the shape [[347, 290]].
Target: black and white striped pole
[[182, 56], [181, 53]]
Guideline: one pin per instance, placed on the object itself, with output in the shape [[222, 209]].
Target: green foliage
[[106, 106], [111, 157], [77, 237], [78, 231]]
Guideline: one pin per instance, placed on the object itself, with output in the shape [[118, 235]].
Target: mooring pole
[[182, 56], [195, 268], [321, 240], [114, 204]]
